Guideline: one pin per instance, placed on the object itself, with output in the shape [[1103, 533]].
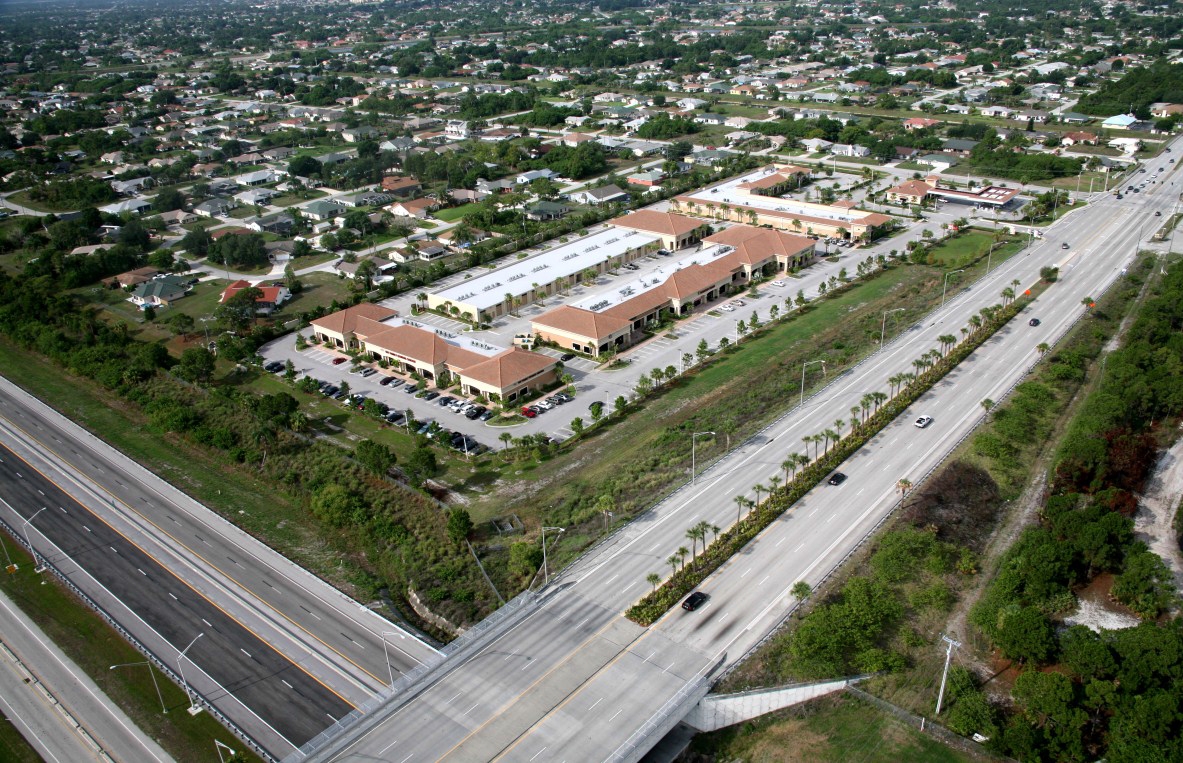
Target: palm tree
[[976, 322], [947, 341], [653, 579], [682, 552], [854, 416], [505, 437], [838, 424], [692, 534], [807, 439], [830, 434], [759, 489], [904, 485], [740, 502], [774, 483], [790, 462], [1008, 295], [879, 398], [715, 532], [919, 363], [672, 561], [1043, 347], [865, 403]]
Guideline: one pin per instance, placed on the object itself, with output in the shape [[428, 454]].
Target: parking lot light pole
[[194, 708], [152, 673], [805, 365], [693, 456], [545, 571], [946, 286], [883, 325]]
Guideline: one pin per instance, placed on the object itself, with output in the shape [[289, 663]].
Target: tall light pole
[[219, 746], [693, 456], [883, 324], [545, 571], [948, 657], [194, 708], [152, 673], [946, 286], [805, 365], [386, 653], [25, 530]]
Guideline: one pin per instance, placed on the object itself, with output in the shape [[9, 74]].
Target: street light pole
[[386, 654], [194, 709], [805, 365], [219, 746], [946, 286], [948, 658], [152, 673], [25, 530], [545, 571], [883, 325], [693, 456]]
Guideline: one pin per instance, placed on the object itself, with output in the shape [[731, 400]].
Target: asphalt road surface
[[576, 682], [56, 706], [229, 666], [342, 641]]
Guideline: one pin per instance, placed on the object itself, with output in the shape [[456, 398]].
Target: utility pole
[[948, 658]]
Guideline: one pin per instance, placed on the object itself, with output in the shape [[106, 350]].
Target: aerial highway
[[274, 607], [575, 681]]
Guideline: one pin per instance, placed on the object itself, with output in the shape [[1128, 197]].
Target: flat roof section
[[518, 278], [991, 195], [729, 193], [632, 288]]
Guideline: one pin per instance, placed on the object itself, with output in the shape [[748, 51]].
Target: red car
[[338, 361], [529, 413]]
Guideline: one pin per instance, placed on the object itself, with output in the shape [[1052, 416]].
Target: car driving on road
[[694, 601], [837, 478], [923, 421]]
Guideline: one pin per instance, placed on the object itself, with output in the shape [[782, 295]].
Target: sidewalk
[[56, 706]]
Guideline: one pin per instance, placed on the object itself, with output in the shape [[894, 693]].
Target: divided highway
[[275, 608], [575, 681]]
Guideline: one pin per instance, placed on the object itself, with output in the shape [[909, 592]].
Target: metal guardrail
[[160, 664]]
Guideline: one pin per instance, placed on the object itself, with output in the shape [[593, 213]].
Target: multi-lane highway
[[575, 681], [167, 569]]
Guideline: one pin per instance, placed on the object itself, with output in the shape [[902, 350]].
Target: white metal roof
[[519, 278]]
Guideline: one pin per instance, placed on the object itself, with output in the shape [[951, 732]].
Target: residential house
[[131, 278], [177, 218], [420, 209], [546, 210], [161, 291], [280, 223], [920, 123], [270, 297], [128, 206], [402, 187], [607, 194], [1084, 138], [848, 149], [322, 209], [647, 178]]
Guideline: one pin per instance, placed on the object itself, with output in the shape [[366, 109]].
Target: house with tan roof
[[270, 297], [675, 231], [909, 192]]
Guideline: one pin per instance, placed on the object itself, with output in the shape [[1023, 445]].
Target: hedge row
[[653, 605]]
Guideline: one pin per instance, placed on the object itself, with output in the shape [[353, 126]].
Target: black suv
[[837, 478], [694, 601]]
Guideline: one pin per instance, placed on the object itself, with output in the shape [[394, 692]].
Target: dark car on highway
[[837, 478], [694, 601]]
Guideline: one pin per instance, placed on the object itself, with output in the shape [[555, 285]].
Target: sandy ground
[[1156, 510]]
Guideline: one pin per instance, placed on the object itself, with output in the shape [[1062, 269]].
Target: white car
[[778, 283], [727, 308], [923, 421]]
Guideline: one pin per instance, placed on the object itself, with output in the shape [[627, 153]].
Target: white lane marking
[[84, 527], [170, 593], [539, 753], [798, 548], [598, 701], [285, 683], [765, 580], [141, 572], [749, 569], [248, 654]]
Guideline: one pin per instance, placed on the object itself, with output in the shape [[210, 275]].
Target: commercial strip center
[[702, 268]]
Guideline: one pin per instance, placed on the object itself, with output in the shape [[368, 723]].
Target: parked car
[[545, 405], [567, 356], [386, 380], [446, 400], [486, 415], [368, 372], [778, 283], [411, 389], [837, 478], [339, 361], [431, 395], [694, 601], [331, 390], [274, 367], [564, 397], [396, 382], [923, 421], [529, 412], [727, 308], [475, 412]]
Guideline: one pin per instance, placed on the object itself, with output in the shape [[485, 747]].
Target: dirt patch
[[1153, 524], [1096, 610]]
